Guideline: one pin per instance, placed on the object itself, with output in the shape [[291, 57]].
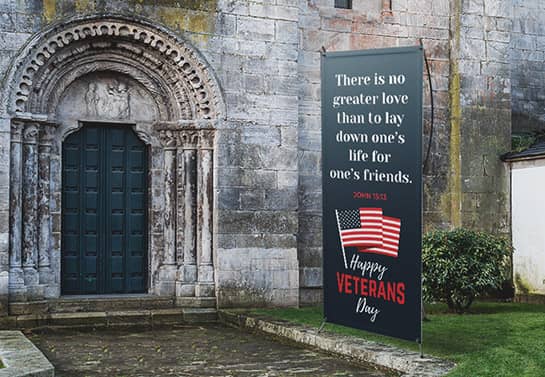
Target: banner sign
[[372, 189]]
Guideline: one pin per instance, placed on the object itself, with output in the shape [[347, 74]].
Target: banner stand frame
[[323, 54], [322, 325]]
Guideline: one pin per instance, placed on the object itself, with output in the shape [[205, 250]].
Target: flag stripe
[[378, 250]]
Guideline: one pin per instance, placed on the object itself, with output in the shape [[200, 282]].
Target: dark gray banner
[[372, 189]]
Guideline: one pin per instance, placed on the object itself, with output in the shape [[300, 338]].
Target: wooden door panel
[[104, 243]]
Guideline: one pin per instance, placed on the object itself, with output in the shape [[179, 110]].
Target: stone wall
[[267, 169], [370, 24], [527, 68], [18, 20], [481, 114], [257, 161], [252, 49]]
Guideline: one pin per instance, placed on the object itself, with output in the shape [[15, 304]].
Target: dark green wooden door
[[104, 207]]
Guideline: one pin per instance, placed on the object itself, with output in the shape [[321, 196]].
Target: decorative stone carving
[[205, 285], [189, 77], [16, 131], [44, 209], [30, 207], [169, 139], [16, 279], [47, 132], [112, 99], [206, 139], [106, 96], [30, 133], [104, 70], [188, 139]]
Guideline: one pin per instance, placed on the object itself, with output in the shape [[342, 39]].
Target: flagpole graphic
[[342, 243]]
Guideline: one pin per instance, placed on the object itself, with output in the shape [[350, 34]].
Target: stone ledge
[[21, 358], [530, 298], [146, 318], [92, 303], [408, 363]]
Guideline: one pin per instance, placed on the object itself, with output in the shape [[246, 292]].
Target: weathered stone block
[[281, 199], [252, 199], [261, 135], [251, 28], [229, 198], [258, 178], [310, 277], [310, 201], [309, 162], [287, 32], [258, 279], [280, 12]]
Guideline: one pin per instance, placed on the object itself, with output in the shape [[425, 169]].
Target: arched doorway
[[112, 74]]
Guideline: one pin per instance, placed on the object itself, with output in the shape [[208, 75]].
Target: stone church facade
[[172, 148]]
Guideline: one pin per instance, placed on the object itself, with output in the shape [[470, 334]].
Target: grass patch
[[492, 340]]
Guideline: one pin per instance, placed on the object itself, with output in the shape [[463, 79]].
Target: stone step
[[118, 318], [76, 304]]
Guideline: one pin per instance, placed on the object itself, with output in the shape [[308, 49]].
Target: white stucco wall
[[528, 211]]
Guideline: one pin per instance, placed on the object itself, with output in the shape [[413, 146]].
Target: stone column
[[167, 273], [187, 213], [17, 288], [205, 284], [30, 210], [46, 276]]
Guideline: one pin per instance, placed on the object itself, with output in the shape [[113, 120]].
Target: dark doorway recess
[[104, 211]]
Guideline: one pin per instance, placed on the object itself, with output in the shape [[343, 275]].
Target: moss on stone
[[455, 184], [206, 5], [190, 21], [85, 6], [49, 10], [522, 285]]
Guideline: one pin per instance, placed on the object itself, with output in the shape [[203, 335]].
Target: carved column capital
[[17, 131], [30, 133], [168, 139], [188, 139], [206, 139], [47, 132]]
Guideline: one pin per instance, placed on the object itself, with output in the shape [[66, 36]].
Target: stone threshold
[[119, 318], [21, 358], [103, 303], [407, 363]]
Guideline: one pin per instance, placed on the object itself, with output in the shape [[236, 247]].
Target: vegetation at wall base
[[461, 264], [491, 340]]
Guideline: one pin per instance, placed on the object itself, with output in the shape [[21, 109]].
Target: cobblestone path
[[211, 350]]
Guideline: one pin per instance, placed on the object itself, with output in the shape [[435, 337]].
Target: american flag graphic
[[361, 228], [369, 230]]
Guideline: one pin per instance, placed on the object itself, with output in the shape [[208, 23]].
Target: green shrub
[[460, 264]]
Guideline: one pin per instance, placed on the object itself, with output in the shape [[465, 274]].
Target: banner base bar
[[322, 325]]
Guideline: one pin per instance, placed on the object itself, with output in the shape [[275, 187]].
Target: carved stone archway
[[154, 82]]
